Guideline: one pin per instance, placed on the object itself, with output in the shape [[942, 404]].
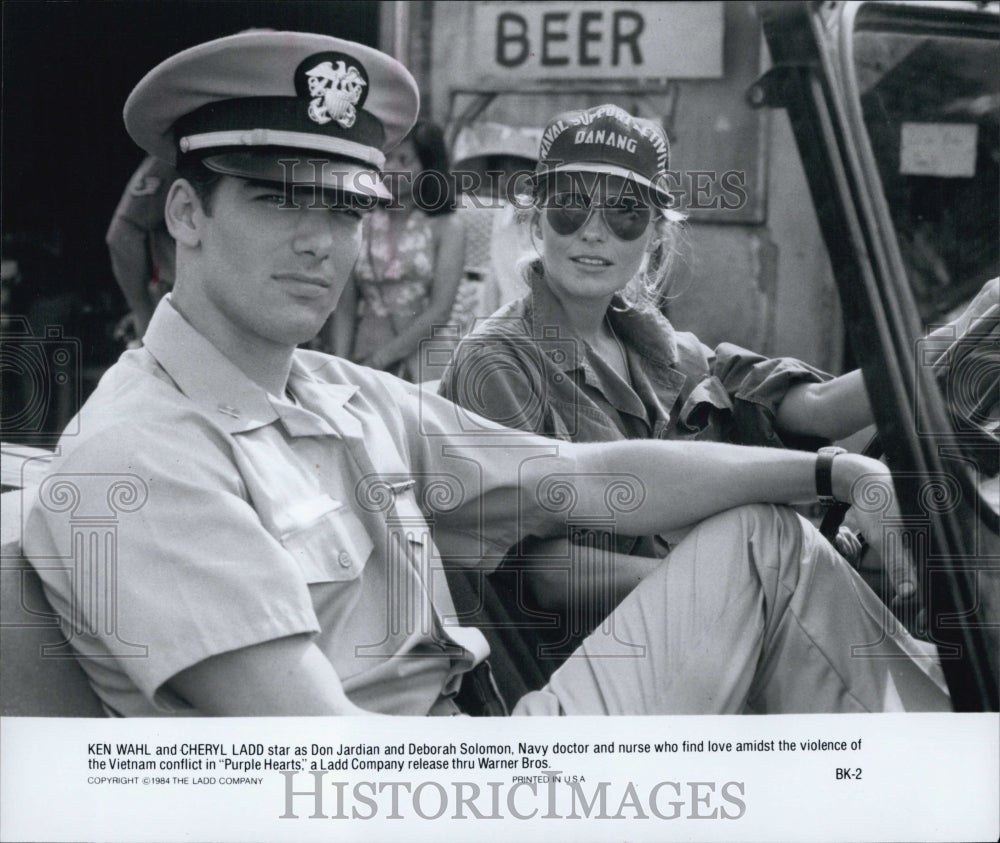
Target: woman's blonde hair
[[652, 285]]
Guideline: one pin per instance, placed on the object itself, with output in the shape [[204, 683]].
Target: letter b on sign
[[511, 40]]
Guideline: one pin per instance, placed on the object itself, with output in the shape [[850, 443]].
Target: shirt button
[[344, 559]]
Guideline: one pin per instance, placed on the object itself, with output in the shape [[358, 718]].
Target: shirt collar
[[321, 409], [650, 333], [237, 404]]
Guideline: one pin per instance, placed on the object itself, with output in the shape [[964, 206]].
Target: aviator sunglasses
[[626, 216]]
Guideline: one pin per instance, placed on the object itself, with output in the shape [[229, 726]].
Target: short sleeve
[[194, 573]]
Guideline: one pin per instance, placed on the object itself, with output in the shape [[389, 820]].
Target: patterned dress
[[394, 288], [393, 284]]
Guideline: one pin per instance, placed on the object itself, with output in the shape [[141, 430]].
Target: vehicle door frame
[[812, 78]]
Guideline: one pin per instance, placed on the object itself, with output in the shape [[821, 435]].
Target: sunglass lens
[[627, 218], [567, 212]]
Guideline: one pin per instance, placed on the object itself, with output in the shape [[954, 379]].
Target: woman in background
[[411, 262]]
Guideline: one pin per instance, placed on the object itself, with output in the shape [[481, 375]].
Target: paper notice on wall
[[947, 150]]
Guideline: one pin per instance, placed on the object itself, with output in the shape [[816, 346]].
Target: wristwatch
[[824, 474]]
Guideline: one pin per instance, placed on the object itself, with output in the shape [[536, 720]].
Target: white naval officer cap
[[248, 102]]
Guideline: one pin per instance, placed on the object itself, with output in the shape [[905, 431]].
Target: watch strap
[[824, 474]]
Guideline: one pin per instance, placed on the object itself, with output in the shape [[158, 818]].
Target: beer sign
[[514, 43]]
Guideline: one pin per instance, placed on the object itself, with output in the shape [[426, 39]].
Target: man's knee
[[768, 543], [757, 521]]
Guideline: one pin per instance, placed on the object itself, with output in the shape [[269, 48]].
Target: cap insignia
[[336, 87]]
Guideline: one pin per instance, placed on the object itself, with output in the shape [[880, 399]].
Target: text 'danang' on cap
[[607, 139], [314, 95]]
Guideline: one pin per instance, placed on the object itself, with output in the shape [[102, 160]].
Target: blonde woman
[[587, 356]]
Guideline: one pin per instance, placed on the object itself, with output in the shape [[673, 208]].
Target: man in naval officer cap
[[281, 516]]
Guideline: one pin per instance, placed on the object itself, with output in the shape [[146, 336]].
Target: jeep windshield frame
[[815, 78]]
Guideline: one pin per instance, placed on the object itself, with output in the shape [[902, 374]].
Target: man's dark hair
[[202, 179]]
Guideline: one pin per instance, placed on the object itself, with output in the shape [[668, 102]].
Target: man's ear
[[184, 213]]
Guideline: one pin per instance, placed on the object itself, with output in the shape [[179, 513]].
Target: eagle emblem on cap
[[335, 89]]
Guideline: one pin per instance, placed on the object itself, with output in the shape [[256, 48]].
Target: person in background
[[141, 248], [405, 282], [491, 157]]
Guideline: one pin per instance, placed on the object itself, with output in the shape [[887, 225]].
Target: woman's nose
[[595, 228]]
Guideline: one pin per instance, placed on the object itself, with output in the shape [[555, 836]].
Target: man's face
[[270, 272]]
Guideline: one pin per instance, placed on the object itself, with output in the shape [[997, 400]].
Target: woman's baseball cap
[[251, 104], [607, 139]]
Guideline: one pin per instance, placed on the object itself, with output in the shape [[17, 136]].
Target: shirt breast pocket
[[327, 540]]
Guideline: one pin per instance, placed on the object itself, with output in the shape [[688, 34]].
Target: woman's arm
[[840, 407], [831, 410], [678, 483], [449, 260]]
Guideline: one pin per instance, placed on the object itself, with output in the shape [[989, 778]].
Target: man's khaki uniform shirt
[[253, 517]]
